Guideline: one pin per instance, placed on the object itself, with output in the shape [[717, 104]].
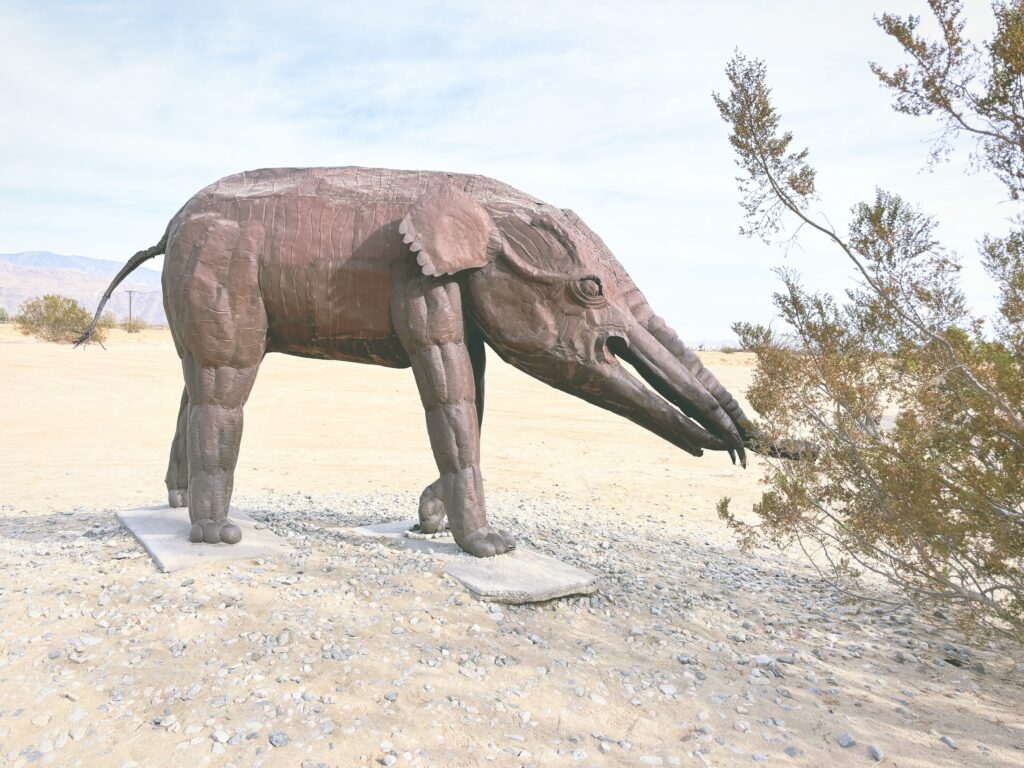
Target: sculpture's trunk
[[669, 339], [627, 396], [677, 384]]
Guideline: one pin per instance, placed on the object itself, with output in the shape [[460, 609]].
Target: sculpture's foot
[[432, 511], [214, 532], [487, 542], [177, 497]]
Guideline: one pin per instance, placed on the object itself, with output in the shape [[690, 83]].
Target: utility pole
[[130, 291]]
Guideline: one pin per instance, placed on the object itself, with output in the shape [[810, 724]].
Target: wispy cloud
[[115, 113]]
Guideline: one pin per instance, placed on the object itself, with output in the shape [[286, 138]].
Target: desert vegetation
[[133, 325], [915, 399], [62, 319], [108, 320], [54, 318]]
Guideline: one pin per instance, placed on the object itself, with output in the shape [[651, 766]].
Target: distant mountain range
[[29, 274]]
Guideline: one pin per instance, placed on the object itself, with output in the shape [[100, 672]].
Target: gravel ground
[[353, 653]]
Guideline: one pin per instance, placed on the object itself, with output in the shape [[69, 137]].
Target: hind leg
[[214, 433], [177, 467], [219, 323]]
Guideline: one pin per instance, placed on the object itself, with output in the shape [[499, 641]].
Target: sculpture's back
[[325, 242]]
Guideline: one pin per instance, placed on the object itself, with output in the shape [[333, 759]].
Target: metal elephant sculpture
[[420, 269]]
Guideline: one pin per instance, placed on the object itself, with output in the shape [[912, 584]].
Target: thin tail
[[126, 270]]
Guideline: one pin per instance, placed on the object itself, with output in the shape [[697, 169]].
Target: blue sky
[[116, 112]]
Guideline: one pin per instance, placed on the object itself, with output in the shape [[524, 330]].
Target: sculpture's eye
[[588, 290], [591, 286]]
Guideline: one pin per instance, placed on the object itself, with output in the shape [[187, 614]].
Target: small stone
[[388, 760], [792, 751], [636, 631], [220, 736], [278, 739], [948, 742], [391, 696], [846, 741], [651, 760], [876, 754], [668, 689]]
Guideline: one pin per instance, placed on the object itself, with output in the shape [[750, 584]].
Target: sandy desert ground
[[350, 653]]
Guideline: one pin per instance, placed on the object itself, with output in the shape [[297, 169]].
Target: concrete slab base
[[521, 576], [163, 533]]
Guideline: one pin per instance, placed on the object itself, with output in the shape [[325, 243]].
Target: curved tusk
[[676, 383]]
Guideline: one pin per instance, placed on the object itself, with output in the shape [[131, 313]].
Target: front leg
[[427, 312], [431, 507]]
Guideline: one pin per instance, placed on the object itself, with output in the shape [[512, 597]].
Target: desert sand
[[94, 425], [351, 653]]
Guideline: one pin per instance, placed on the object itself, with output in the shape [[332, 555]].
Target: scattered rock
[[327, 628], [278, 739]]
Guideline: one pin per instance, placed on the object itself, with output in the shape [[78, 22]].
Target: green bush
[[54, 318]]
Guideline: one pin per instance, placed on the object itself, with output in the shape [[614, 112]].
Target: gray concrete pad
[[521, 576], [163, 533]]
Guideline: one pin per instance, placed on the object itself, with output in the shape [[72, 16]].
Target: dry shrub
[[915, 401], [54, 318]]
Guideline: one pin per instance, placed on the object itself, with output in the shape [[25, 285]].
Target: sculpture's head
[[550, 298]]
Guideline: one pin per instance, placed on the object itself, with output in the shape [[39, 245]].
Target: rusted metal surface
[[411, 269]]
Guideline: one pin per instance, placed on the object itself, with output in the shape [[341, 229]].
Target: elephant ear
[[448, 231]]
